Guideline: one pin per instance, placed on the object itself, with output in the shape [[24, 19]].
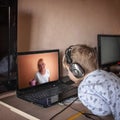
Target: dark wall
[[8, 40]]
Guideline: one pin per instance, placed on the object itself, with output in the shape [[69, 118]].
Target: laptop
[[39, 79]]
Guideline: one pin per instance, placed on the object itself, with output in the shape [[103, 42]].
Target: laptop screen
[[37, 67]]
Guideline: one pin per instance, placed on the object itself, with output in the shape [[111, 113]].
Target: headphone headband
[[68, 54]]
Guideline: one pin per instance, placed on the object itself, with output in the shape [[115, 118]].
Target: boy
[[98, 90]]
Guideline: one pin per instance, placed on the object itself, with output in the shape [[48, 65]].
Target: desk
[[45, 113]]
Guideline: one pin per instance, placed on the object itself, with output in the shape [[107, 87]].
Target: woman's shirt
[[100, 93], [42, 78]]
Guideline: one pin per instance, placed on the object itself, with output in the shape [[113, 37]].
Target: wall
[[49, 24]]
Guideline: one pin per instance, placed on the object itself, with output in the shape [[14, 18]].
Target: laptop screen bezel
[[52, 83]]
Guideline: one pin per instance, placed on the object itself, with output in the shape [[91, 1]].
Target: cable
[[88, 115], [63, 109]]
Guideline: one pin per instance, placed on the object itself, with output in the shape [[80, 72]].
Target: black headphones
[[75, 68]]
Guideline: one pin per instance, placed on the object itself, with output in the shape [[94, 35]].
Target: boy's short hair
[[84, 55]]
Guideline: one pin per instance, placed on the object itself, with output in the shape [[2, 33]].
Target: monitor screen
[[108, 50], [37, 67]]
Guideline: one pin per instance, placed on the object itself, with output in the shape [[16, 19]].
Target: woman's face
[[41, 65]]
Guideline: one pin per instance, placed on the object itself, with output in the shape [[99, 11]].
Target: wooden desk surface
[[7, 114], [45, 113]]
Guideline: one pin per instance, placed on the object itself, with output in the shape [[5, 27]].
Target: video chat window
[[36, 69]]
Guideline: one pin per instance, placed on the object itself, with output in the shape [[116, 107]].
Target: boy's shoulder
[[94, 77]]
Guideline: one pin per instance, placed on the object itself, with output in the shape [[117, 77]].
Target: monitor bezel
[[52, 83], [100, 65]]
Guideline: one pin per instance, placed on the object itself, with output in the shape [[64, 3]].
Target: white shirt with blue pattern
[[100, 93]]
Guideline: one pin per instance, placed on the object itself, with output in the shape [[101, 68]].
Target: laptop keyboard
[[37, 95], [41, 94]]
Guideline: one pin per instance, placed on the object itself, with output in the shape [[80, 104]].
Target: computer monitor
[[30, 64], [108, 50]]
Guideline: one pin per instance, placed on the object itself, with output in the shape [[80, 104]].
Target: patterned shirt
[[100, 93]]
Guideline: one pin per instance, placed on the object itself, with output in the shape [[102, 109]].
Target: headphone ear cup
[[77, 70]]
